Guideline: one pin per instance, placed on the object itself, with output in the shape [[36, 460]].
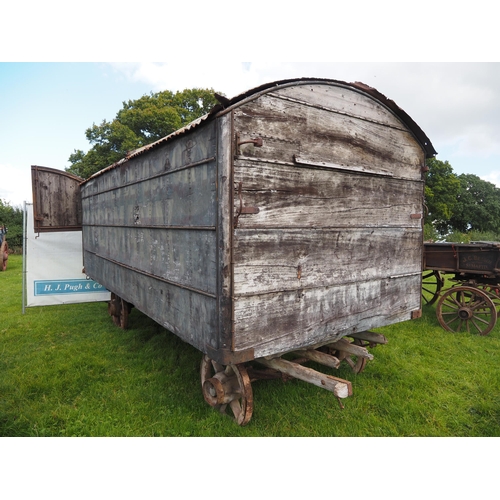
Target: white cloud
[[456, 104], [15, 185], [493, 177]]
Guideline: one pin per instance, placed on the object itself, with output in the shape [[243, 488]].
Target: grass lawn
[[68, 371]]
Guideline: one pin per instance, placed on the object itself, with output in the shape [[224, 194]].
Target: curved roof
[[226, 103]]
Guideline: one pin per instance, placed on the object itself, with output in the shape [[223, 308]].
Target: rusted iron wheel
[[228, 389], [466, 308], [119, 310], [432, 282]]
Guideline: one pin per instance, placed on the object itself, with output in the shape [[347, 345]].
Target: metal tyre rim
[[469, 309], [228, 389], [432, 282]]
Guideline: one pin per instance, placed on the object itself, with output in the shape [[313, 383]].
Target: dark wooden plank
[[57, 204], [186, 198]]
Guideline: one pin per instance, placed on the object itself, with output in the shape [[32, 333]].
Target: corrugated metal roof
[[228, 103]]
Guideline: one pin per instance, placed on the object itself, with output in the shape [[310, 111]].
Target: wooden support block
[[340, 387], [372, 337]]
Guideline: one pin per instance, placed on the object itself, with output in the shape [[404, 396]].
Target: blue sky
[[45, 108]]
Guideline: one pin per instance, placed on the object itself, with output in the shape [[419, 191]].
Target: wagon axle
[[229, 390]]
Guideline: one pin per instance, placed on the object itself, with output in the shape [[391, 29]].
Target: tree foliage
[[12, 218], [477, 207], [138, 123], [441, 190]]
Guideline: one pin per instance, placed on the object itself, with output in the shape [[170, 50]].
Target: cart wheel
[[125, 309], [493, 292], [432, 282], [227, 387], [119, 310], [466, 307]]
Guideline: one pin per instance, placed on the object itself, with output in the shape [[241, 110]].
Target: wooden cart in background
[[278, 229], [472, 302]]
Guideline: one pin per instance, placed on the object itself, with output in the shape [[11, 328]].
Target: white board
[[54, 268]]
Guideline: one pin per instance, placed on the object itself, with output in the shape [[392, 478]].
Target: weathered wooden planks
[[289, 320], [57, 204], [291, 259], [150, 233], [291, 129], [288, 196], [192, 316]]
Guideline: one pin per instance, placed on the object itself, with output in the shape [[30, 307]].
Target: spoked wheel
[[493, 292], [432, 282], [466, 308], [227, 388]]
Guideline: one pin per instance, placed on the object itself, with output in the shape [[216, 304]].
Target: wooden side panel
[[182, 256], [284, 321], [183, 197], [191, 316], [328, 232], [56, 200], [150, 234]]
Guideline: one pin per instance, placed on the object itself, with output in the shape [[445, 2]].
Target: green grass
[[68, 371]]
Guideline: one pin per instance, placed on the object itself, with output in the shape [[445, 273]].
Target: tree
[[12, 218], [477, 207], [441, 190], [138, 123]]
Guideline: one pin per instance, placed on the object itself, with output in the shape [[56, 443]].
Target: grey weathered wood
[[284, 321], [340, 387], [319, 357], [289, 128], [290, 197], [291, 259]]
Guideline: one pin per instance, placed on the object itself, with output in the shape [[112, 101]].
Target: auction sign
[[54, 268]]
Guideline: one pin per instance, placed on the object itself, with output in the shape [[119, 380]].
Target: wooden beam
[[355, 350], [372, 337], [340, 387], [319, 357]]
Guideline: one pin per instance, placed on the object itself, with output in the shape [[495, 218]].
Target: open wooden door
[[57, 204]]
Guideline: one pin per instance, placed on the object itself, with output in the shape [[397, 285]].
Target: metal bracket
[[242, 209], [257, 142]]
